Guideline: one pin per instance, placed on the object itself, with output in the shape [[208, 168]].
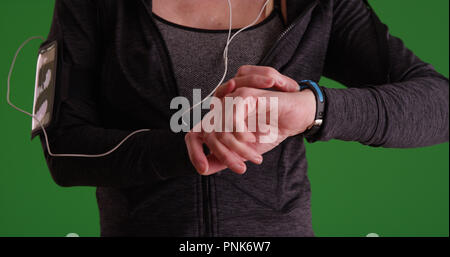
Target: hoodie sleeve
[[144, 158], [394, 99]]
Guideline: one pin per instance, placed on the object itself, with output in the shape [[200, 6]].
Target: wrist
[[309, 99], [301, 108]]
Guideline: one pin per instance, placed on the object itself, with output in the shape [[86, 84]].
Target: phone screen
[[44, 92]]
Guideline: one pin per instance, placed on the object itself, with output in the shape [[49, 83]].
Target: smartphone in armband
[[44, 92]]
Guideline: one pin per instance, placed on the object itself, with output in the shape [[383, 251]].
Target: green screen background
[[356, 190]]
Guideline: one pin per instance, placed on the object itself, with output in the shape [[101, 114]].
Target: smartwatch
[[320, 106]]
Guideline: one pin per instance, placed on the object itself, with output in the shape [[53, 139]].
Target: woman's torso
[[269, 200]]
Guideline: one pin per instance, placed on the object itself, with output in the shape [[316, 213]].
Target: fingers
[[245, 137], [282, 82], [240, 118], [194, 145], [242, 149], [245, 123], [253, 81], [215, 165], [227, 150], [227, 157], [225, 89], [258, 77]]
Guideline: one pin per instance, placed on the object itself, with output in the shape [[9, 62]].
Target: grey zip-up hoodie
[[114, 76]]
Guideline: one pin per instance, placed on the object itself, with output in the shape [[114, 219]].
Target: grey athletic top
[[197, 54]]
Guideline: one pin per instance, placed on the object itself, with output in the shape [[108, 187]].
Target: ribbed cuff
[[350, 115]]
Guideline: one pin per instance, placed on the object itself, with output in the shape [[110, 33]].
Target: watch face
[[44, 92]]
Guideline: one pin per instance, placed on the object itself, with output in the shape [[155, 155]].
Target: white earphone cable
[[225, 56]]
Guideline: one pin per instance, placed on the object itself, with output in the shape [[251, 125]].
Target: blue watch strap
[[320, 105]]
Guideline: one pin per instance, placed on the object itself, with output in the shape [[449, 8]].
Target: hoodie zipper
[[207, 230], [292, 25], [207, 214], [206, 180], [277, 42]]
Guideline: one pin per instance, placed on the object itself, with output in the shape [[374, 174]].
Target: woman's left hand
[[295, 112]]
